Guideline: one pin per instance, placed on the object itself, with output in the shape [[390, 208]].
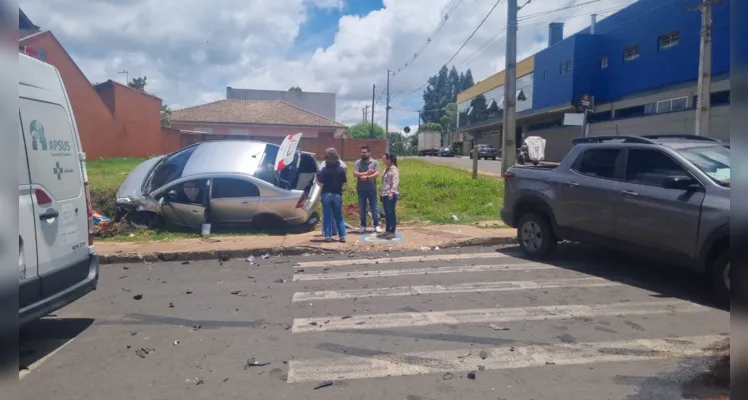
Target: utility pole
[[387, 112], [373, 96], [366, 113], [704, 90], [509, 125], [127, 76]]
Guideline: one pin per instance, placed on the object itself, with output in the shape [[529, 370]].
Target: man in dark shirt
[[366, 170]]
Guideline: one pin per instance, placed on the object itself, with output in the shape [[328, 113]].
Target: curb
[[129, 258]]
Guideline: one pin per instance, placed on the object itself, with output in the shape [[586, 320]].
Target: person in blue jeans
[[390, 195], [345, 167], [366, 171], [332, 178]]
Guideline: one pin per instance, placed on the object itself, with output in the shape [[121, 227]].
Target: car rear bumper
[[507, 217], [69, 294]]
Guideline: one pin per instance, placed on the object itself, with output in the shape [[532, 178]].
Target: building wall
[[348, 149], [258, 130], [318, 103], [552, 82]]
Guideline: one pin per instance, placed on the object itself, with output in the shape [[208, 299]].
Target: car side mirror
[[681, 183]]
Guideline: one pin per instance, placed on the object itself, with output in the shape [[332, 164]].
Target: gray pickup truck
[[666, 197]]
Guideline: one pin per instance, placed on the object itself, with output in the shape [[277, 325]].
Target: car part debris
[[471, 375], [188, 292], [448, 376], [176, 342], [225, 380], [171, 305], [137, 296], [280, 280], [265, 256], [144, 352], [199, 382], [323, 385], [254, 363], [462, 358], [185, 262], [481, 368], [498, 328], [251, 260], [127, 290], [346, 317], [483, 354]]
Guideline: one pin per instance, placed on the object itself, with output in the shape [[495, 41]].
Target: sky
[[191, 50]]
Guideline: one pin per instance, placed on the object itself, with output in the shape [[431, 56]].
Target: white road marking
[[421, 271], [23, 373], [408, 364], [458, 288], [490, 315], [367, 261]]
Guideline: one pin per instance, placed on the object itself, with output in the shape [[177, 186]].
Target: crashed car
[[224, 183]]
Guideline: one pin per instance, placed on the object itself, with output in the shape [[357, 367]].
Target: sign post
[[586, 105]]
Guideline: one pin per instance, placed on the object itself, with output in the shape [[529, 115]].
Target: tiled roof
[[253, 112], [23, 33]]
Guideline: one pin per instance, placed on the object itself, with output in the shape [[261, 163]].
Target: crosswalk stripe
[[419, 363], [490, 315], [421, 271], [366, 261], [446, 289]]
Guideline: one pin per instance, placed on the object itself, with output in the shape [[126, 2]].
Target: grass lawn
[[429, 194]]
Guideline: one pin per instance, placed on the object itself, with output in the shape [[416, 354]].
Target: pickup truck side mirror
[[681, 183]]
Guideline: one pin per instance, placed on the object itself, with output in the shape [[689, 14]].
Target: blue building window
[[42, 54], [604, 63], [545, 75], [568, 67], [631, 53], [668, 40]]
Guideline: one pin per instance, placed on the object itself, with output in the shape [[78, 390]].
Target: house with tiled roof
[[255, 118]]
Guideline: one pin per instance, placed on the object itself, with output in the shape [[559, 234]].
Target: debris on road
[[300, 270], [225, 380], [176, 342], [137, 296], [454, 218], [483, 354], [222, 257], [323, 385], [471, 375], [251, 260], [550, 363], [265, 256], [481, 368], [199, 382], [171, 305], [188, 292], [254, 363], [280, 280], [448, 376], [185, 262], [498, 328], [346, 317], [313, 323], [196, 327], [127, 290], [425, 248], [144, 352], [133, 333]]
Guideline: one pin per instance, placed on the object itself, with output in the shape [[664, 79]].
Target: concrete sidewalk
[[442, 236]]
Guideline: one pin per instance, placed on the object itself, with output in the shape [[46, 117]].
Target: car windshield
[[712, 160], [170, 169]]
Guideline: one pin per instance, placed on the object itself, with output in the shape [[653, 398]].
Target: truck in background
[[429, 143]]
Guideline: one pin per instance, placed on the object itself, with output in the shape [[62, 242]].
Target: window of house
[[568, 67], [227, 188], [545, 75], [42, 54], [631, 53], [604, 63], [668, 40], [651, 167], [681, 103], [598, 163]]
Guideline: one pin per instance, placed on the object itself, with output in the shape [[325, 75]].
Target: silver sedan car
[[224, 183]]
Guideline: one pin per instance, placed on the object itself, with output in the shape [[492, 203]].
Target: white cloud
[[192, 49]]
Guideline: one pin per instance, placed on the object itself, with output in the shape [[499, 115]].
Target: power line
[[430, 38], [461, 47]]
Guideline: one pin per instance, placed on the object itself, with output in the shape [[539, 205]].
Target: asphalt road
[[587, 325], [487, 166]]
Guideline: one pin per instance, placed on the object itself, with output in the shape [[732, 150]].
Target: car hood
[[133, 185]]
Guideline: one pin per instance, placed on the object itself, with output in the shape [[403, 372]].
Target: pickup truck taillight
[[508, 175]]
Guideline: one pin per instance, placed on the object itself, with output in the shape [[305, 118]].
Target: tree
[[138, 83], [294, 89], [449, 119], [467, 82], [454, 84], [165, 115], [361, 131], [399, 144], [431, 127]]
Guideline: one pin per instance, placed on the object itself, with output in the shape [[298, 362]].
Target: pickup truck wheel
[[536, 238], [720, 272]]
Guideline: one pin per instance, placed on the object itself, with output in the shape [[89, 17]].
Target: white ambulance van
[[57, 260]]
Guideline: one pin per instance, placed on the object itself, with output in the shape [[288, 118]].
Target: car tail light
[[508, 175], [302, 200], [42, 198], [90, 212]]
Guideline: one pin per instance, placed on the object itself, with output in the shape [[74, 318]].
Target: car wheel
[[146, 220], [536, 237], [720, 278]]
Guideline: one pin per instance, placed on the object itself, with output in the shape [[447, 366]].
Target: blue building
[[640, 65]]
